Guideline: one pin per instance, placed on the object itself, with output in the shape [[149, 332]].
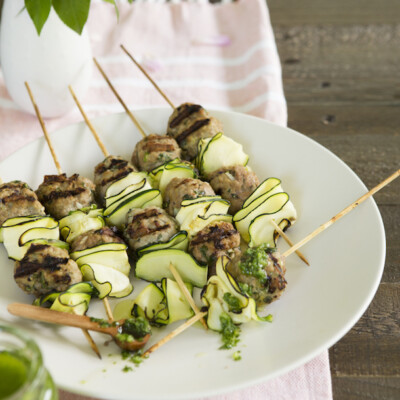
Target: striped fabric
[[221, 56]]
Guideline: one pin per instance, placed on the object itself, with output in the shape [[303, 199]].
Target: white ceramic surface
[[321, 303], [50, 62]]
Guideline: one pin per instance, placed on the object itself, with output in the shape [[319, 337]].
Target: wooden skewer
[[342, 213], [46, 135], [132, 117], [89, 124], [59, 170], [285, 237], [85, 332], [92, 343], [186, 293], [172, 105], [288, 241], [77, 321], [106, 154], [148, 77], [108, 309], [174, 333]]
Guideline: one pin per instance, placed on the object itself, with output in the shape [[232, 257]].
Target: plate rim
[[301, 361]]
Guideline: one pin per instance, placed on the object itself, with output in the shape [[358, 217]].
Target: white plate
[[320, 305]]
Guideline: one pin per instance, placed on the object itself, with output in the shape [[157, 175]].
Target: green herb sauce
[[103, 323], [229, 332], [124, 337], [135, 357], [137, 327], [254, 260], [13, 373], [236, 356], [245, 288], [233, 302]]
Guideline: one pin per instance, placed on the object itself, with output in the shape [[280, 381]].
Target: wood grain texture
[[291, 12], [341, 79], [391, 220], [357, 388]]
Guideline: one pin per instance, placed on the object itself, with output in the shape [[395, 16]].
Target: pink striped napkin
[[222, 56]]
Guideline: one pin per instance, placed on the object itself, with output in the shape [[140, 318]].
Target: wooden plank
[[372, 347], [338, 12], [361, 356], [352, 388], [333, 90], [373, 156], [344, 120], [342, 83], [340, 64], [391, 220]]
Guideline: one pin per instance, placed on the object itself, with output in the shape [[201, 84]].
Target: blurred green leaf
[[39, 11], [74, 13], [115, 5]]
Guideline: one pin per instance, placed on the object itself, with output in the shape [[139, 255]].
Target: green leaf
[[39, 11], [73, 13], [115, 5]]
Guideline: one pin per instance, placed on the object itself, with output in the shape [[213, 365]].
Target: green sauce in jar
[[13, 373], [22, 373]]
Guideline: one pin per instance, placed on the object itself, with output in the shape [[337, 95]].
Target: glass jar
[[22, 373]]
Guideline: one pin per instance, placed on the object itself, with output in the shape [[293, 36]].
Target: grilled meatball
[[188, 124], [184, 189], [215, 240], [46, 268], [17, 199], [107, 172], [155, 150], [235, 184], [148, 225], [94, 238], [60, 195], [260, 272]]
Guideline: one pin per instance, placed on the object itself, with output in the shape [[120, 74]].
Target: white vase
[[49, 63]]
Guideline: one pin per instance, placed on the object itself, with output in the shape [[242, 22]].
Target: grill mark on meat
[[17, 197], [14, 185], [216, 235], [30, 267], [55, 195], [144, 231], [276, 264], [116, 177], [276, 283], [95, 238], [186, 112], [193, 128], [114, 163], [106, 231], [36, 247], [183, 182], [60, 178], [154, 146], [109, 232], [144, 215]]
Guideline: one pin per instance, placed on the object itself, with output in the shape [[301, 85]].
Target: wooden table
[[341, 74]]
